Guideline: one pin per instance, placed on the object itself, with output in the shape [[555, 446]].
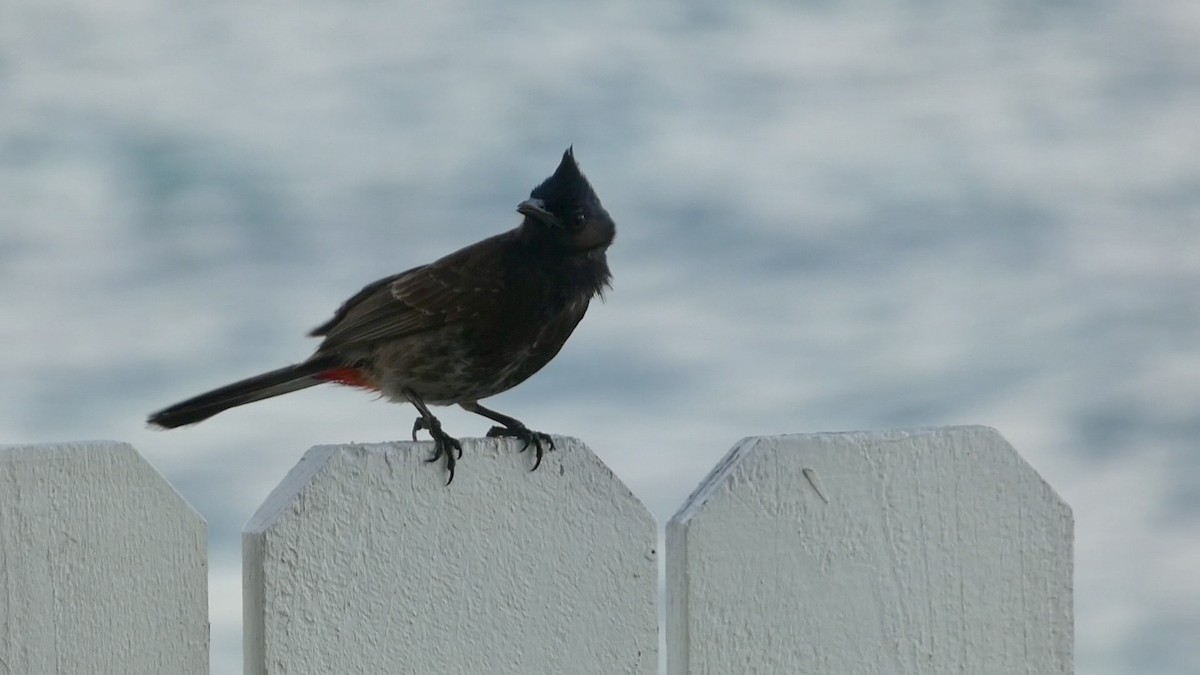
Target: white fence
[[921, 551]]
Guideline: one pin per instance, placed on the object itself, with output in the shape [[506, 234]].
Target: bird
[[465, 327]]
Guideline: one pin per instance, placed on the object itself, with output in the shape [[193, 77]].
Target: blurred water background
[[832, 216]]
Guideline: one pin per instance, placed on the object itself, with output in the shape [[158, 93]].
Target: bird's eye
[[578, 219]]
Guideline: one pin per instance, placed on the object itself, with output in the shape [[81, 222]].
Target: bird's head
[[564, 209]]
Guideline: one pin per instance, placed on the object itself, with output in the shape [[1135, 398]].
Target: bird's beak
[[536, 208]]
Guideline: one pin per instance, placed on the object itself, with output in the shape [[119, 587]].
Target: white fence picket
[[364, 561], [922, 551], [102, 565]]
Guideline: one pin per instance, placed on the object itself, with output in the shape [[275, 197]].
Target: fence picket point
[[910, 551], [363, 560], [102, 562]]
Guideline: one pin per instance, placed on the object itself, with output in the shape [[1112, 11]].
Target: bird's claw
[[537, 439], [444, 445], [420, 424]]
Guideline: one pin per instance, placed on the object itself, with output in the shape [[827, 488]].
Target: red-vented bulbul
[[468, 326]]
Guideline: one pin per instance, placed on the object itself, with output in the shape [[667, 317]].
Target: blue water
[[831, 216]]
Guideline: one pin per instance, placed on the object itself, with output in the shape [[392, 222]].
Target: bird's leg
[[443, 443], [513, 428]]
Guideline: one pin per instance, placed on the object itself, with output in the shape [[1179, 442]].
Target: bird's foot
[[541, 442], [444, 445]]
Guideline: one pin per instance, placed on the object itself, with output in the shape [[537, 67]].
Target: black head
[[565, 209]]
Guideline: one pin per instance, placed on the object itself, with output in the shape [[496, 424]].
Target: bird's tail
[[257, 388]]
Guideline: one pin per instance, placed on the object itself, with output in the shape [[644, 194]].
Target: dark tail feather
[[245, 391]]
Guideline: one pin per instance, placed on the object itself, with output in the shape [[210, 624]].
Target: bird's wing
[[452, 289]]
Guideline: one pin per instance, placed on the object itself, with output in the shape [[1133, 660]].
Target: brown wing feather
[[424, 298]]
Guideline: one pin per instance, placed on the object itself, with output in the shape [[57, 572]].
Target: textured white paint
[[363, 561], [102, 565], [922, 551]]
